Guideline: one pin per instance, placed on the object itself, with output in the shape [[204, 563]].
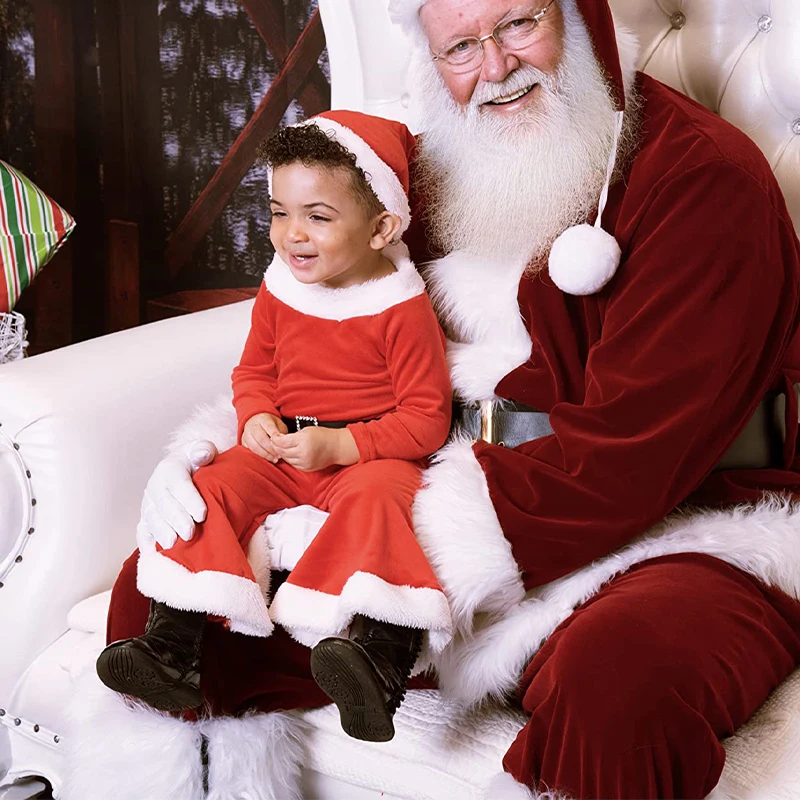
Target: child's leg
[[239, 673], [365, 569], [210, 572], [364, 560]]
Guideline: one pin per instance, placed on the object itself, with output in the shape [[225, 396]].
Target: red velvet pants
[[627, 699], [365, 558]]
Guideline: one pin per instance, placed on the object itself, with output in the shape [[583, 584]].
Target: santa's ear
[[386, 229]]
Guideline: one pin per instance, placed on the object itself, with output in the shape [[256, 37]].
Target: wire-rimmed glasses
[[514, 33]]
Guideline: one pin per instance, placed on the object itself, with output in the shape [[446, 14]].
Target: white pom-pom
[[584, 259]]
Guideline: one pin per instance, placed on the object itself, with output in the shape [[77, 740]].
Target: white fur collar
[[366, 299]]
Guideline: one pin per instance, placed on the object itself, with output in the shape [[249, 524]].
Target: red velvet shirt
[[388, 365]]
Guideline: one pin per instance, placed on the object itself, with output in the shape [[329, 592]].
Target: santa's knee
[[128, 608], [615, 713]]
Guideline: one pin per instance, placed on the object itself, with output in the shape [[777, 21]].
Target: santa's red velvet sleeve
[[694, 332], [415, 361], [255, 378]]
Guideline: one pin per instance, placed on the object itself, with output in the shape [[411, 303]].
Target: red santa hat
[[382, 148], [585, 257]]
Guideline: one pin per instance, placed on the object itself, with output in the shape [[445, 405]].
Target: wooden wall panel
[[55, 162]]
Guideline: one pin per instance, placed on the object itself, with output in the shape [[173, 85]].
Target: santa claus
[[605, 252]]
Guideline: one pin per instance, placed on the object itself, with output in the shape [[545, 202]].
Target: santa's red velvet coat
[[647, 383]]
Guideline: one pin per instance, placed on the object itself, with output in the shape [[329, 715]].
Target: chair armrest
[[81, 429]]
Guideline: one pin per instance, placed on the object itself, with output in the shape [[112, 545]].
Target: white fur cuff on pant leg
[[457, 527], [125, 751], [256, 757]]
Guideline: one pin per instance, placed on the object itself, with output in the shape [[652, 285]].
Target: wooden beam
[[213, 199], [56, 172], [130, 76], [269, 19], [88, 240], [122, 286]]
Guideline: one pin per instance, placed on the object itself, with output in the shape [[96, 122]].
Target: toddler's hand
[[314, 448], [258, 433]]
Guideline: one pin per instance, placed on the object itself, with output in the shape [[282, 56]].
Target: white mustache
[[522, 78]]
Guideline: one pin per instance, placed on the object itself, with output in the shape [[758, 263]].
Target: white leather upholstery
[[91, 420], [740, 58]]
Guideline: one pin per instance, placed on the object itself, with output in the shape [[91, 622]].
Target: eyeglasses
[[465, 55]]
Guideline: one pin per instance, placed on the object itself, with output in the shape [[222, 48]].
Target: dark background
[[123, 111]]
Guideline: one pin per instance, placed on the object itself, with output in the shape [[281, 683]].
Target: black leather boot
[[162, 666], [366, 675]]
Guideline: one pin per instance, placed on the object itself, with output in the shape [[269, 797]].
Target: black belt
[[301, 421], [758, 446]]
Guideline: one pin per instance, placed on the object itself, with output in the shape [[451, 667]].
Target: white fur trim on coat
[[310, 615], [127, 751], [762, 540], [504, 787], [364, 299], [119, 749], [476, 298], [457, 527], [214, 422], [239, 600]]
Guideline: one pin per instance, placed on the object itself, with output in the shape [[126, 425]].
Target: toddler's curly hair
[[312, 147]]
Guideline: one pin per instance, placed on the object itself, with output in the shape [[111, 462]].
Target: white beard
[[507, 187]]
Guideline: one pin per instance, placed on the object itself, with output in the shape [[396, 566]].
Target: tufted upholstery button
[[18, 559], [18, 722], [796, 127], [678, 20], [16, 446], [765, 23], [56, 739], [36, 729], [2, 712]]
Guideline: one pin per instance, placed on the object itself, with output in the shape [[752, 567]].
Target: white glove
[[171, 503]]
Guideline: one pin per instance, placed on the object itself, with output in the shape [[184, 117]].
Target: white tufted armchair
[[81, 429]]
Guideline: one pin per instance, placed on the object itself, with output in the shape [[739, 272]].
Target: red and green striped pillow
[[32, 228]]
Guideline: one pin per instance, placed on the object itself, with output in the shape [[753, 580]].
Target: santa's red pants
[[365, 558], [628, 698]]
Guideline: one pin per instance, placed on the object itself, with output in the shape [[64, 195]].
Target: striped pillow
[[32, 228]]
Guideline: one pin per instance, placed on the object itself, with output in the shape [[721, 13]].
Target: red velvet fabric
[[391, 141], [631, 695], [650, 381], [368, 530], [597, 16], [389, 365]]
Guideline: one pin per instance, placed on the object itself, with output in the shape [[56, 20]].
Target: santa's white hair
[[507, 186]]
